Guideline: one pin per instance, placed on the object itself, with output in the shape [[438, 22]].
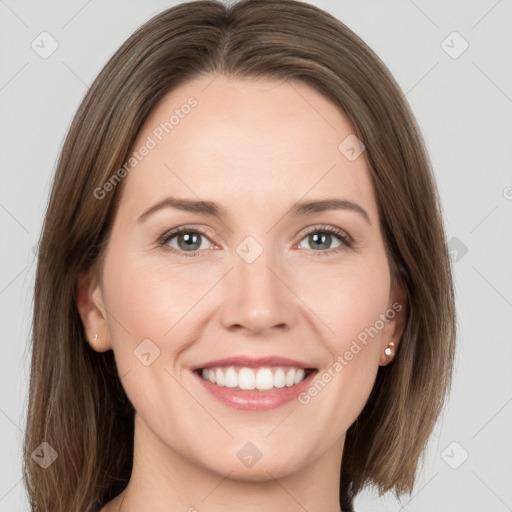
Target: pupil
[[324, 237], [190, 239]]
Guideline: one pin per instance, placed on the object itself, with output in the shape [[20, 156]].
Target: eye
[[187, 240], [320, 239]]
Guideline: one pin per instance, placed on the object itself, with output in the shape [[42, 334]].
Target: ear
[[394, 328], [90, 305]]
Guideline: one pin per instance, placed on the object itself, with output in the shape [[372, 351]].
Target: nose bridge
[[256, 297]]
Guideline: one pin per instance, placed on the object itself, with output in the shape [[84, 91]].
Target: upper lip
[[253, 362]]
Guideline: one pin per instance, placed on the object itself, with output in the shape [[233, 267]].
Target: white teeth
[[219, 377], [264, 379], [249, 378], [290, 377], [299, 375], [231, 378], [246, 379], [279, 378]]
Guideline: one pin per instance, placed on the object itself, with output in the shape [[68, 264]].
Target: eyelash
[[347, 241]]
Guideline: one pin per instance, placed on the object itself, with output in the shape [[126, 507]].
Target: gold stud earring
[[388, 351]]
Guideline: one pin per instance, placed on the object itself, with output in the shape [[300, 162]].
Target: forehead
[[275, 142]]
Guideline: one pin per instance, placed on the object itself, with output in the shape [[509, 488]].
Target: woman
[[243, 297]]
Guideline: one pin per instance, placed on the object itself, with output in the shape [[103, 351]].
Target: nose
[[258, 296]]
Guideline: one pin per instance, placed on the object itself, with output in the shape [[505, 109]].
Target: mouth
[[254, 383], [243, 378]]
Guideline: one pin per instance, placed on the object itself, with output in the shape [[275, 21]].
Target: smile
[[254, 389], [261, 379]]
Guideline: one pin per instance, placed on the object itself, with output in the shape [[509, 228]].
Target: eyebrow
[[301, 208]]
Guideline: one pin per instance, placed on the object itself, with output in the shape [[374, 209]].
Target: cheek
[[145, 301], [149, 330], [352, 307], [363, 297], [348, 298]]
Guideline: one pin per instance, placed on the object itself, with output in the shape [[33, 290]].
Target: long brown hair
[[77, 403]]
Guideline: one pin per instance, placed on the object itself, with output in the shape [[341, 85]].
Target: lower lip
[[254, 400]]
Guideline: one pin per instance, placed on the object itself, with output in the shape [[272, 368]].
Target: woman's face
[[272, 289]]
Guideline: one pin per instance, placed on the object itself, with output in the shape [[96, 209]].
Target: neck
[[163, 479]]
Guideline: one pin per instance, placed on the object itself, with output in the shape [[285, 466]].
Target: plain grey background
[[454, 62]]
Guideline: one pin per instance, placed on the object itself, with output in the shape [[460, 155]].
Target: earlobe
[[89, 302], [388, 354], [395, 329]]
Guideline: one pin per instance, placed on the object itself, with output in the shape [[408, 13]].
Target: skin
[[254, 147]]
